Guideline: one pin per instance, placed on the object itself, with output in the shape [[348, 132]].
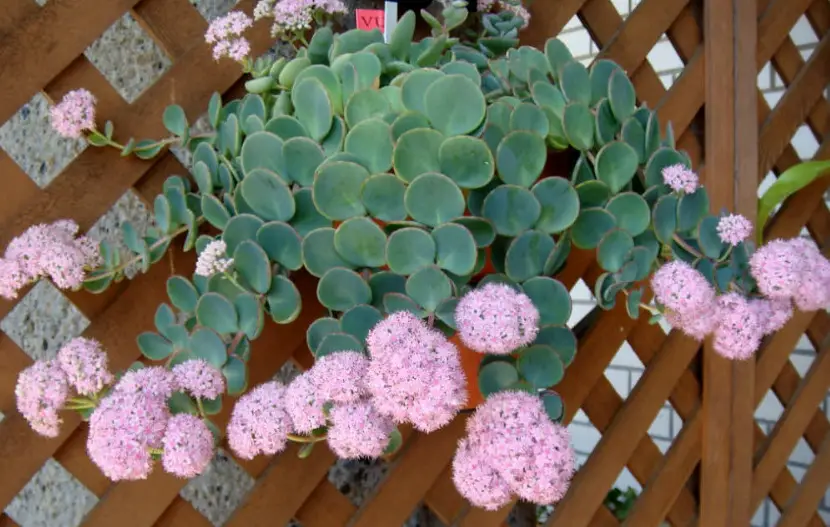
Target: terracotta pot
[[469, 362]]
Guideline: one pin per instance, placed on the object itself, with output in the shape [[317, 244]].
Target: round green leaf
[[591, 226], [410, 249], [482, 230], [312, 107], [371, 141], [664, 217], [182, 294], [214, 212], [395, 438], [454, 105], [320, 329], [455, 248], [531, 118], [394, 302], [361, 242], [236, 376], [575, 82], [561, 339], [154, 346], [328, 78], [284, 300], [631, 212], [240, 228], [217, 313], [429, 286], [709, 239], [632, 304], [601, 71], [408, 121], [461, 67], [621, 95], [253, 265], [333, 142], [302, 157], [467, 161], [520, 158], [527, 255], [267, 195], [593, 194], [337, 188], [691, 209], [282, 244], [414, 88], [498, 114], [307, 217], [554, 406], [175, 120], [613, 249], [551, 298], [286, 127], [340, 289], [616, 164], [385, 282], [262, 150], [366, 104], [662, 158], [512, 209], [634, 134], [359, 320], [643, 259], [207, 345], [560, 204], [433, 199], [540, 366], [496, 377], [417, 152], [559, 256], [578, 124], [382, 196], [251, 318], [319, 254], [335, 342]]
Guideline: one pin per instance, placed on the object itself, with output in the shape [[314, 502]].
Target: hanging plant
[[418, 181]]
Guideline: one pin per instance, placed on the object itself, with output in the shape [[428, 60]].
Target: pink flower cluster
[[259, 422], [133, 423], [415, 373], [52, 250], [733, 229], [680, 179], [496, 319], [516, 7], [85, 364], [74, 114], [225, 33], [786, 271], [332, 393], [44, 387], [199, 379], [212, 259], [293, 16], [793, 270], [41, 391], [512, 447]]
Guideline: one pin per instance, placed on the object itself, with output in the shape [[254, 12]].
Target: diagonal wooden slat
[[771, 457], [812, 489]]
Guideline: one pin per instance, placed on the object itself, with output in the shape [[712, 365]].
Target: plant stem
[[650, 309], [305, 439], [233, 280], [677, 239], [200, 407], [157, 451], [235, 342], [158, 243]]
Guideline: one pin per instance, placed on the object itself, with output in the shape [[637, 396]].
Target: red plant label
[[369, 19]]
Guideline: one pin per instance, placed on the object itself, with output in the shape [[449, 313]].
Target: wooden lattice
[[717, 471]]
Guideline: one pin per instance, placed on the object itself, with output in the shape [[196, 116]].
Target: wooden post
[[731, 177]]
